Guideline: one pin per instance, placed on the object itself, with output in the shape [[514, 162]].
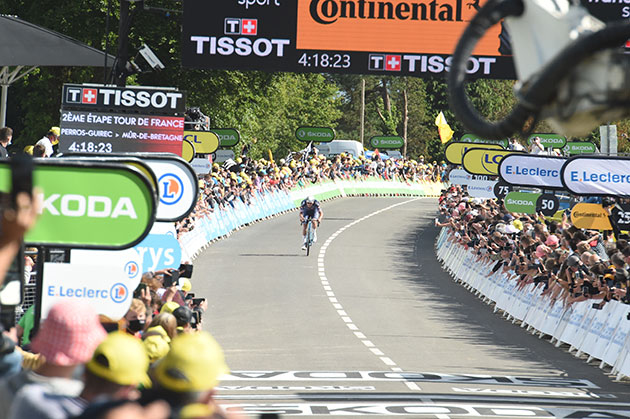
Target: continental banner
[[454, 152], [532, 170], [590, 175], [481, 189], [481, 161], [590, 216]]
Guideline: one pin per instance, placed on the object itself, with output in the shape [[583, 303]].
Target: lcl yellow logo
[[204, 142], [483, 162], [455, 151]]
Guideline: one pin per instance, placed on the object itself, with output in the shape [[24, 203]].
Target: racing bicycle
[[309, 233]]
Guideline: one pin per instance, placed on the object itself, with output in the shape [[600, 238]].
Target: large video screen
[[394, 37]]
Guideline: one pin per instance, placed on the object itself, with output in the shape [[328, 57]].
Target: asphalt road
[[369, 324]]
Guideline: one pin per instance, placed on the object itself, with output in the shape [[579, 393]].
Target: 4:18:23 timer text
[[325, 60]]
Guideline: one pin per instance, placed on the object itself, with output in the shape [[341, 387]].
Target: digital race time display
[[394, 37]]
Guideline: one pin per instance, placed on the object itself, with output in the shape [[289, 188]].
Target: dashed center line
[[343, 315]]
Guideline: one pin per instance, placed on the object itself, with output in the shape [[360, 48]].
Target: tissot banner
[[588, 175], [481, 161], [455, 151], [532, 170]]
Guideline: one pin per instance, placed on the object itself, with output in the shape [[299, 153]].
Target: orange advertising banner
[[404, 26], [590, 216]]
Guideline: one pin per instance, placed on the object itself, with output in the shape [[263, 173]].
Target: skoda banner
[[590, 175], [481, 188], [315, 134], [521, 202], [389, 142], [228, 137], [455, 151], [549, 140], [89, 205], [581, 147], [205, 142], [472, 138], [590, 216], [481, 161], [532, 170]]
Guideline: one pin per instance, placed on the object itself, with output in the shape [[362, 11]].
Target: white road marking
[[329, 293]]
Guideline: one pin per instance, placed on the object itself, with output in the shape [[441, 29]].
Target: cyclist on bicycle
[[310, 208]]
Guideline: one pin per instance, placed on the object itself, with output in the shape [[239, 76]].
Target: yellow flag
[[446, 133]]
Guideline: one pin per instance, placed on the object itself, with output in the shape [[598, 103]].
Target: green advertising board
[[472, 138], [579, 147], [228, 137], [387, 142], [89, 205], [549, 140], [521, 202], [315, 134]]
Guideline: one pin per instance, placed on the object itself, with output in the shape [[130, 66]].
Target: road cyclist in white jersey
[[310, 208]]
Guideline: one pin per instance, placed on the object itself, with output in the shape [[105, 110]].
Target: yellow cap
[[156, 347], [169, 307], [28, 149], [185, 284], [55, 130], [121, 359], [194, 363]]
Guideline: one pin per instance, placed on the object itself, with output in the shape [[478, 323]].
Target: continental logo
[[326, 12], [590, 216], [417, 28]]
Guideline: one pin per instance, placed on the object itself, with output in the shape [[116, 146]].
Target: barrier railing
[[222, 222], [602, 335]]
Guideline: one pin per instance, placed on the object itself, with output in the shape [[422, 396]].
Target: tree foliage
[[265, 107]]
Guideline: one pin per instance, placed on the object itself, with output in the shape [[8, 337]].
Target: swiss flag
[[392, 62], [89, 96], [249, 26], [628, 43]]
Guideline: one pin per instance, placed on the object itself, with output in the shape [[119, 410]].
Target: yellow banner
[[204, 142], [455, 151], [483, 162], [188, 151], [590, 216]]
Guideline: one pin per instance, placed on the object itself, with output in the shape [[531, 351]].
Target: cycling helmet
[[310, 199]]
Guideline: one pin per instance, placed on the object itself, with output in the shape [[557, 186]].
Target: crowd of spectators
[[571, 264], [242, 178]]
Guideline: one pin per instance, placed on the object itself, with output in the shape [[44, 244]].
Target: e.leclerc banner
[[549, 140], [472, 138], [521, 202], [176, 180], [89, 205], [481, 161], [387, 142], [315, 134], [532, 170], [590, 175], [455, 151], [205, 142]]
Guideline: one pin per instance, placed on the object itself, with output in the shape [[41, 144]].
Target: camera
[[170, 278], [197, 319], [197, 301], [185, 270]]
